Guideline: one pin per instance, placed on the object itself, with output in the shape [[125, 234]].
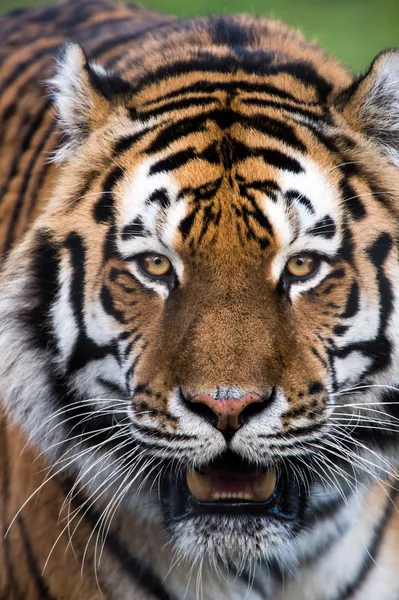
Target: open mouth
[[231, 486]]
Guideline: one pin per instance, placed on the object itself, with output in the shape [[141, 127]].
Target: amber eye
[[156, 265], [301, 266]]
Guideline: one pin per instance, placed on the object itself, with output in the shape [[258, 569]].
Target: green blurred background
[[353, 30]]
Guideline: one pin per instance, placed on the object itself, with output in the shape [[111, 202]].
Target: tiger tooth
[[264, 486], [199, 485]]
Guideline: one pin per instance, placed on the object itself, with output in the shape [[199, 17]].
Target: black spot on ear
[[108, 85]]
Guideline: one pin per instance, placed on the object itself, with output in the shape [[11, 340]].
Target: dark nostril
[[202, 410], [254, 409]]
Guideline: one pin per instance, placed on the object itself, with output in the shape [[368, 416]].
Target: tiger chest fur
[[199, 347]]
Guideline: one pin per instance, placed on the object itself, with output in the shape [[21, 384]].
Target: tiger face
[[208, 302]]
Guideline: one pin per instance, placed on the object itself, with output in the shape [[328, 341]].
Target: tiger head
[[209, 301]]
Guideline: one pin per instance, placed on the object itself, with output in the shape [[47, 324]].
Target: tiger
[[199, 300]]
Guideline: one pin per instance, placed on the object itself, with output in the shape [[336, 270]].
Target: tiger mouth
[[214, 485], [229, 486]]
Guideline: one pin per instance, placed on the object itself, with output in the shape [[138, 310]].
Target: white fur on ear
[[71, 98], [381, 107], [371, 103], [82, 93]]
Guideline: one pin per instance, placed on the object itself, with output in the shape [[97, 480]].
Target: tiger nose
[[228, 414]]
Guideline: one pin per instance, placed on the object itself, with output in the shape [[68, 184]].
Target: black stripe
[[138, 571], [42, 589], [180, 104], [40, 175], [104, 208], [176, 131], [294, 109], [351, 201], [378, 253], [160, 197], [134, 229], [258, 62], [126, 143], [187, 224], [352, 304], [107, 302], [340, 329], [271, 157], [325, 227], [85, 349], [267, 126], [155, 436], [45, 273], [173, 161], [346, 249], [380, 348], [87, 180], [25, 144], [283, 132], [293, 433], [295, 196], [29, 169], [208, 87], [21, 67], [48, 52], [123, 40], [227, 32], [336, 274]]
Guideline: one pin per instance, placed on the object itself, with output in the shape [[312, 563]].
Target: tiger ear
[[371, 103], [84, 94]]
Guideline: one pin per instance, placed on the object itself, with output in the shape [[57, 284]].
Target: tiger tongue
[[208, 488]]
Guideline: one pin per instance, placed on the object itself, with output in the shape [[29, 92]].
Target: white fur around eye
[[299, 287], [160, 287]]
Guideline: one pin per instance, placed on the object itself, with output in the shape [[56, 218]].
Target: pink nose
[[227, 410]]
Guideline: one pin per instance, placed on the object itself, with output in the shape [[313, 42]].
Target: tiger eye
[[156, 265], [301, 265]]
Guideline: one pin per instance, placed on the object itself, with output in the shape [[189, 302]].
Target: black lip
[[286, 503]]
